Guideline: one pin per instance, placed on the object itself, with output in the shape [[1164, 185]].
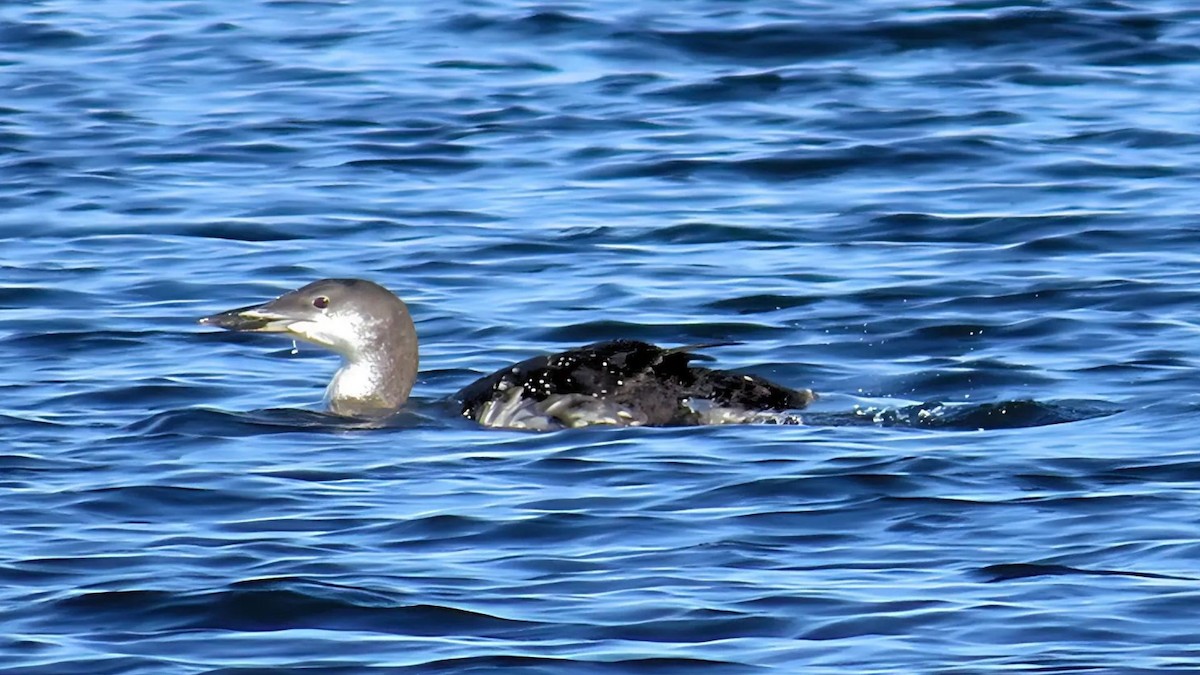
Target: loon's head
[[347, 316], [360, 320]]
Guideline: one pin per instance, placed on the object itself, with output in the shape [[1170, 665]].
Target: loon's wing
[[625, 382]]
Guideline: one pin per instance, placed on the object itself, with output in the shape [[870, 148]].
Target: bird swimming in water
[[618, 382]]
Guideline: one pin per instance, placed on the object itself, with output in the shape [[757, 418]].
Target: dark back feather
[[637, 375]]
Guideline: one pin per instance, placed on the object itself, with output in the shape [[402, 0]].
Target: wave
[[1014, 414]]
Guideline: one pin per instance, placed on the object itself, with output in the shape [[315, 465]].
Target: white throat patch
[[341, 335]]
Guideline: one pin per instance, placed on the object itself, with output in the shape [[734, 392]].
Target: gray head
[[360, 320]]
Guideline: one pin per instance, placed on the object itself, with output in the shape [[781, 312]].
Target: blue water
[[971, 226]]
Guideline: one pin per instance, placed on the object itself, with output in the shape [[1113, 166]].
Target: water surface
[[969, 225]]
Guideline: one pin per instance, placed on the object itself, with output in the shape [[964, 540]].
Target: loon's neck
[[375, 381]]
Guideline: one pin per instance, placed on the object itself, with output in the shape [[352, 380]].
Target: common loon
[[618, 382]]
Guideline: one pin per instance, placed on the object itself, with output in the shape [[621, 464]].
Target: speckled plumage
[[649, 385]]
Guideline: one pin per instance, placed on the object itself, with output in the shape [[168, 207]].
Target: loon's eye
[[320, 302]]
